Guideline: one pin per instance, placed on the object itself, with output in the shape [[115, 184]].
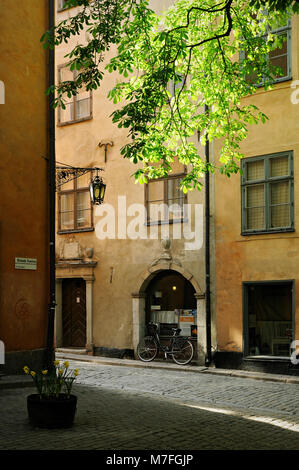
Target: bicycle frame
[[168, 349]]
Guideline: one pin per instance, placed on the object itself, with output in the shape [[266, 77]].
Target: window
[[267, 193], [279, 57], [61, 5], [74, 206], [268, 318], [165, 200], [77, 108]]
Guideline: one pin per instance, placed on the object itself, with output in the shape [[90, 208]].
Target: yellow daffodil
[[66, 364], [33, 373], [76, 372], [26, 369], [60, 371], [44, 372], [56, 363]]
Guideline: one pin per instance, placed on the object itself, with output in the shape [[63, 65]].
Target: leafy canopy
[[175, 66]]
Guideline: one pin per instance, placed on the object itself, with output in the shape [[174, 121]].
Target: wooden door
[[74, 312]]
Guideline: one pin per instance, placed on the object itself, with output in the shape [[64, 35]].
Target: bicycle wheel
[[147, 349], [183, 353]]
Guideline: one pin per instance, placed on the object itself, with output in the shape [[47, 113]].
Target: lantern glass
[[97, 190]]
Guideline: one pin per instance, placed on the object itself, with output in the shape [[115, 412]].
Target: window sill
[[276, 82], [59, 10], [166, 222], [77, 230], [267, 358], [62, 124], [267, 232]]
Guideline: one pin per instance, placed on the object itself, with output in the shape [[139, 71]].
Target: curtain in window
[[175, 198], [67, 211], [279, 166], [255, 170], [280, 204], [155, 201], [67, 114], [83, 210], [83, 105], [165, 200], [255, 206]]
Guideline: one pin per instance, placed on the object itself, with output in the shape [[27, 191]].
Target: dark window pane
[[270, 319]]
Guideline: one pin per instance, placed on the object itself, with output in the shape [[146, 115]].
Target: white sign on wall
[[26, 263]]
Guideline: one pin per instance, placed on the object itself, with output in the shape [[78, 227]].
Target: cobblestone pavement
[[128, 408]]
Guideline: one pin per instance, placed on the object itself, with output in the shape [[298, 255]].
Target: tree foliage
[[173, 66]]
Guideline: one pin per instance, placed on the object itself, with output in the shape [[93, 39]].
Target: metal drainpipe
[[52, 198], [207, 252]]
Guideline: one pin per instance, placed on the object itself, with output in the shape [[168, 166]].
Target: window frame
[[281, 30], [183, 218], [288, 30], [75, 190], [245, 287], [267, 180], [59, 8], [74, 100]]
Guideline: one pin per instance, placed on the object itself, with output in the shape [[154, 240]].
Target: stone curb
[[16, 381], [189, 368]]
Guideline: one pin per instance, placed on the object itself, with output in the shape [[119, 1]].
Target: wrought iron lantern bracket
[[65, 173]]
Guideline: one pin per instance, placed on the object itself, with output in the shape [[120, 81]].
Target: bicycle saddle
[[176, 330]]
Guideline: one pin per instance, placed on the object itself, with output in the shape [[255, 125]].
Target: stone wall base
[[16, 360], [114, 352], [270, 365]]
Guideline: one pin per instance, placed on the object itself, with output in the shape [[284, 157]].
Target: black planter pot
[[51, 413]]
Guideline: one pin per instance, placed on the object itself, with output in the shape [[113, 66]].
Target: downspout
[[52, 198], [207, 251]]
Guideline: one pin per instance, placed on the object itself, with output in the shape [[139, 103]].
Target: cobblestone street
[[129, 408]]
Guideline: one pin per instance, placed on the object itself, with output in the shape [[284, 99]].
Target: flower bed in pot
[[53, 406]]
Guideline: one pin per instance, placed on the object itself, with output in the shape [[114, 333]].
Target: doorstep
[[79, 351]]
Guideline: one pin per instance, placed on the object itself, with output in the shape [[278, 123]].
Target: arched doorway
[[141, 306], [170, 302]]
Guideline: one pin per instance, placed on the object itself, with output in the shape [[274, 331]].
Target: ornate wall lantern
[[97, 190], [67, 173]]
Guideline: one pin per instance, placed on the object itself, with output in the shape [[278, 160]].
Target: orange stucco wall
[[23, 180]]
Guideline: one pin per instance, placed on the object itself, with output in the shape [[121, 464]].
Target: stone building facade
[[116, 270]]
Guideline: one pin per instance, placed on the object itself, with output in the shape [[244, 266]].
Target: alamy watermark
[[132, 222], [295, 93]]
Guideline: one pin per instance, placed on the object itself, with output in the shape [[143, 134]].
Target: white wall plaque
[[26, 263]]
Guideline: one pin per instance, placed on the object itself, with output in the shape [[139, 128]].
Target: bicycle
[[180, 347]]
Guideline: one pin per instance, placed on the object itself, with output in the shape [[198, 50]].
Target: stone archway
[[138, 305]]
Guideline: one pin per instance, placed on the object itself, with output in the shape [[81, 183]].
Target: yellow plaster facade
[[260, 257], [119, 268]]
